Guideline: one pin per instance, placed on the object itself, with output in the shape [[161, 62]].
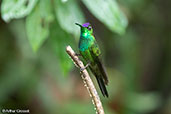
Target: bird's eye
[[89, 28]]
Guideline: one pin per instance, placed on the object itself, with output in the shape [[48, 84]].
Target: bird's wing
[[95, 53]]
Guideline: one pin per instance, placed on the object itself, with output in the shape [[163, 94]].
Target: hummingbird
[[91, 53]]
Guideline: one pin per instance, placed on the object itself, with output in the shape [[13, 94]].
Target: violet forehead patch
[[85, 24]]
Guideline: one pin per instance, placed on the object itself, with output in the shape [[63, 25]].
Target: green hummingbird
[[91, 53]]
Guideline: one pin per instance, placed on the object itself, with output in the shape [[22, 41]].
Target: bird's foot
[[77, 54], [81, 69]]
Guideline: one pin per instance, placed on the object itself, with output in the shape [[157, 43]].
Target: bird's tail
[[102, 86]]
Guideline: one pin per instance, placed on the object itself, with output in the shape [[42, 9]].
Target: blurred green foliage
[[14, 9], [38, 22], [108, 12], [40, 15], [33, 61]]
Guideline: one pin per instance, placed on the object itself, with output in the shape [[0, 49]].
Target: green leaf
[[37, 24], [60, 39], [14, 9], [108, 12], [68, 13]]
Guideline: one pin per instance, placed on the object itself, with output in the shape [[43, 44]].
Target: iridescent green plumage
[[90, 51]]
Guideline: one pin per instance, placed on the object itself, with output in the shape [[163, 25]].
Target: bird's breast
[[84, 44]]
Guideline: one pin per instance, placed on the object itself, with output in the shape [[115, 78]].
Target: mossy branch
[[87, 81]]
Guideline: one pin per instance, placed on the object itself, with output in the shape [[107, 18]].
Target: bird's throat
[[85, 35]]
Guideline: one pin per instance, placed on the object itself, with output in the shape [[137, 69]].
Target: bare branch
[[87, 80]]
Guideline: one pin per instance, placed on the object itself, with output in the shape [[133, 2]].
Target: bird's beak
[[78, 24]]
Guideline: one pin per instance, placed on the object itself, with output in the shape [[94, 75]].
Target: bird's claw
[[77, 54], [81, 69]]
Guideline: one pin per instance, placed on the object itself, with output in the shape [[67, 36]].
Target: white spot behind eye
[[89, 28]]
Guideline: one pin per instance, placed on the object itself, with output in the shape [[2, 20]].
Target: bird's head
[[85, 28]]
